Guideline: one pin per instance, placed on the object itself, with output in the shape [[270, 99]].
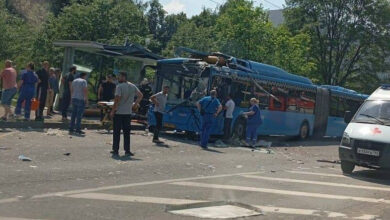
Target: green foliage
[[349, 38]]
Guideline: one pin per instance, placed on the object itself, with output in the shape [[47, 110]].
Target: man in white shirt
[[159, 100], [229, 108]]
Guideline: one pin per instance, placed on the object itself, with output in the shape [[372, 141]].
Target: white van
[[366, 140]]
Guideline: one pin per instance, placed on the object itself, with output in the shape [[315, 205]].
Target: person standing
[[121, 112], [229, 108], [253, 122], [106, 92], [26, 92], [209, 107], [66, 97], [53, 90], [79, 94], [8, 78], [42, 89], [159, 100]]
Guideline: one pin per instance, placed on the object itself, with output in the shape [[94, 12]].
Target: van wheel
[[347, 167], [240, 128], [304, 131]]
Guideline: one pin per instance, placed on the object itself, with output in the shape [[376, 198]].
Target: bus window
[[352, 105], [307, 102], [293, 101], [341, 109], [278, 103], [241, 93], [333, 106], [262, 96]]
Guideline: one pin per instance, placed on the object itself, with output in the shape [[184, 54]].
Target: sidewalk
[[52, 122], [56, 122]]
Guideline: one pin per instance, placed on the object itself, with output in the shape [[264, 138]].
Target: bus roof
[[274, 75]]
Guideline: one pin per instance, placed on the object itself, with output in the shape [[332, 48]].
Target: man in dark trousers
[[125, 93], [106, 91], [159, 100], [43, 86], [66, 97], [209, 107]]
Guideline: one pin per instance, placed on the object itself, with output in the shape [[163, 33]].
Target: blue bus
[[290, 105]]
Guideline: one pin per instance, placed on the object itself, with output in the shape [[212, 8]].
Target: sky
[[194, 7]]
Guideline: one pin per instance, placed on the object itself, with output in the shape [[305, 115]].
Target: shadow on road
[[373, 176], [125, 158]]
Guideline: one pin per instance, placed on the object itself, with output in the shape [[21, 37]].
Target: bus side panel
[[284, 123], [182, 118], [336, 126]]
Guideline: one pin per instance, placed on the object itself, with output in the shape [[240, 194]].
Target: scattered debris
[[239, 166], [262, 143], [273, 171], [329, 161], [24, 158], [220, 143], [4, 148], [33, 166], [54, 132], [67, 154]]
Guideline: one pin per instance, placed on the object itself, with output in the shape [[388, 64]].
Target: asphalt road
[[73, 177]]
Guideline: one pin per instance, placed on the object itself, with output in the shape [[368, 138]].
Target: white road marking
[[171, 201], [316, 174], [282, 192], [123, 186], [318, 183], [140, 199], [9, 218]]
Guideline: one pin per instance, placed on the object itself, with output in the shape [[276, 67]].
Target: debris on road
[[239, 166], [329, 161], [220, 143], [4, 148], [33, 166], [67, 154], [54, 132], [24, 158], [262, 143]]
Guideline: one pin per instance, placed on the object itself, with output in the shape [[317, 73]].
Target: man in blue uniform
[[209, 107]]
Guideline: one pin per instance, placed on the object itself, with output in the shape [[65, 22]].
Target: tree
[[192, 36], [243, 30], [349, 37]]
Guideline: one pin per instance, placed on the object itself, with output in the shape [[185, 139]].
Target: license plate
[[368, 152], [168, 125]]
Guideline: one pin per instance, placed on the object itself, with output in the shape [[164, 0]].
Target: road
[[73, 177]]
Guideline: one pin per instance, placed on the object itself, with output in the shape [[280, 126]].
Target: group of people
[[42, 85], [127, 97], [210, 107]]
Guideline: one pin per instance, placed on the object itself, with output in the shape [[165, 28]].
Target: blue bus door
[[321, 112]]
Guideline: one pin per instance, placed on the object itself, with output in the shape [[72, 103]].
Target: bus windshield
[[185, 88], [375, 112]]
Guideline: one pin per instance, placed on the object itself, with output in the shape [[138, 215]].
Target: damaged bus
[[290, 105]]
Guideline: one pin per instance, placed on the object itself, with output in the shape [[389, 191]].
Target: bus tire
[[191, 135], [240, 128], [347, 167], [304, 131]]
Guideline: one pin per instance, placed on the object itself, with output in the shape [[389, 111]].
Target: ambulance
[[366, 140]]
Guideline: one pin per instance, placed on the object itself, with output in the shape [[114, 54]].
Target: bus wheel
[[304, 131], [347, 167], [192, 135], [240, 128]]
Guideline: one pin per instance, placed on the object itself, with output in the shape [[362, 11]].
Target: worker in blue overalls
[[209, 107]]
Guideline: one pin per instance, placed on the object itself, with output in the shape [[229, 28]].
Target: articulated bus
[[290, 105]]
